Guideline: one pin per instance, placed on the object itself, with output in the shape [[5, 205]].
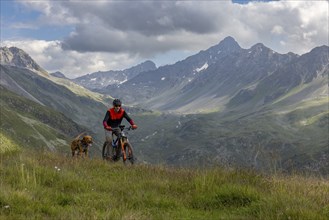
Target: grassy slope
[[79, 90], [266, 140], [84, 109], [50, 186], [7, 145], [31, 125]]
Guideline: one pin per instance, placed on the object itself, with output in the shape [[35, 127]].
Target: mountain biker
[[113, 119]]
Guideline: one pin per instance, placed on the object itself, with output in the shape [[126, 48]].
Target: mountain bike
[[120, 146]]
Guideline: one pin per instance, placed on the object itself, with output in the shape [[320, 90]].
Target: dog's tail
[[78, 137]]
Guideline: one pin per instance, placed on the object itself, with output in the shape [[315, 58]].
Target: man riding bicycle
[[113, 119]]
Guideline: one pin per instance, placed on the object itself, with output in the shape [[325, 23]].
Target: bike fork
[[124, 156]]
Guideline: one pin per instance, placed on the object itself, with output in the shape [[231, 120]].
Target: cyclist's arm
[[106, 118], [126, 116]]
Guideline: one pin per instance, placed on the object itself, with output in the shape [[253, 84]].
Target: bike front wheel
[[129, 152]]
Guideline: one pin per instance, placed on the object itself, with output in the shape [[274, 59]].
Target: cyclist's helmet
[[116, 102]]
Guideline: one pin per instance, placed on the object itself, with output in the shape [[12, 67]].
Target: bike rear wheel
[[107, 151]]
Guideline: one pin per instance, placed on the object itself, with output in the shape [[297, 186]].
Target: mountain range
[[225, 105], [101, 79], [226, 76]]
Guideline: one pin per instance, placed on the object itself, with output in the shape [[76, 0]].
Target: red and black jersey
[[114, 119]]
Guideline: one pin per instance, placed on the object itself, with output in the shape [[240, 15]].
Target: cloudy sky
[[80, 37]]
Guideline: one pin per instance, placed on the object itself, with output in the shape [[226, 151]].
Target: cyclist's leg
[[116, 151], [108, 141]]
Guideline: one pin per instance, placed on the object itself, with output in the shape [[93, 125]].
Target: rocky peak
[[320, 51], [228, 44], [145, 66], [260, 48], [5, 55], [314, 63], [14, 56]]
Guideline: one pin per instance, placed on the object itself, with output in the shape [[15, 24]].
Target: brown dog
[[81, 147]]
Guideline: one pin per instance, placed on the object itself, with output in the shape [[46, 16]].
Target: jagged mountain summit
[[304, 78], [14, 59], [14, 56], [206, 81], [98, 80]]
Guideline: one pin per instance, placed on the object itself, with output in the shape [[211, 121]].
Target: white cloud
[[50, 56], [151, 27], [277, 29], [53, 13], [117, 34], [285, 21]]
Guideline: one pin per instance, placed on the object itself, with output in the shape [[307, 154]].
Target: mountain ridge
[[14, 56], [100, 79], [215, 72]]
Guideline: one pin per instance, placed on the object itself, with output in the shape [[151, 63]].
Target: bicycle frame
[[121, 141]]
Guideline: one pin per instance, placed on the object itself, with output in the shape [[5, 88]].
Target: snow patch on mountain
[[204, 67]]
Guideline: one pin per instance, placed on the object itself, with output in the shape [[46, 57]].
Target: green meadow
[[45, 185]]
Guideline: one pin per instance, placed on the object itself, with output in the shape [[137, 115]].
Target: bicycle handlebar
[[122, 127]]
